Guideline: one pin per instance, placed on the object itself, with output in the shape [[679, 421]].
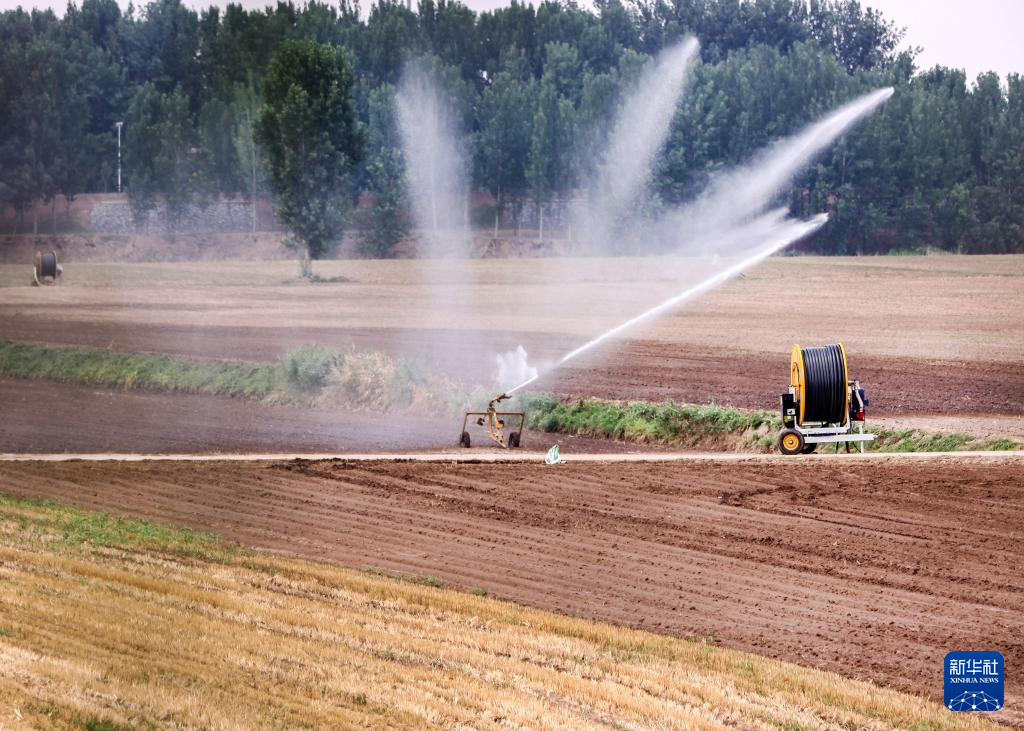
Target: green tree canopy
[[385, 168], [311, 140], [532, 86], [160, 147]]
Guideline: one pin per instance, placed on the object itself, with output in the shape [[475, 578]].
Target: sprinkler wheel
[[513, 439], [464, 439]]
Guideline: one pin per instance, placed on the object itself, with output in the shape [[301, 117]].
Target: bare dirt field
[[40, 417], [873, 569], [939, 338]]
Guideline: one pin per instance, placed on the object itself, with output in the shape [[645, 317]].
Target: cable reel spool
[[820, 382], [46, 269]]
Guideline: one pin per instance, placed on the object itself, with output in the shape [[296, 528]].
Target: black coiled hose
[[48, 265], [825, 384]]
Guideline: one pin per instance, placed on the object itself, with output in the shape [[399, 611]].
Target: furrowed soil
[[939, 337], [874, 569], [40, 417]]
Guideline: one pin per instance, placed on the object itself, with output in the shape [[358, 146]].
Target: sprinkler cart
[[494, 420]]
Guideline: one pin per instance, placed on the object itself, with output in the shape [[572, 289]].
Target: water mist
[[437, 183], [726, 222], [637, 135], [735, 195], [435, 167]]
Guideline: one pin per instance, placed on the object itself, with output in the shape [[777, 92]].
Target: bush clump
[[308, 367], [375, 381]]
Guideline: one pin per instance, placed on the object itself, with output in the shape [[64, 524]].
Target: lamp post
[[118, 125]]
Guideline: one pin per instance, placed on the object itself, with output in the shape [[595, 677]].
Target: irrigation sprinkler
[[494, 420]]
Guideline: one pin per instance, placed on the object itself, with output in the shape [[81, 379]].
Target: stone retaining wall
[[217, 217]]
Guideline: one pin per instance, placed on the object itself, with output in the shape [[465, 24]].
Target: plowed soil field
[[41, 417], [872, 568], [940, 336]]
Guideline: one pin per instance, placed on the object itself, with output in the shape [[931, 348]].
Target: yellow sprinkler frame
[[494, 420]]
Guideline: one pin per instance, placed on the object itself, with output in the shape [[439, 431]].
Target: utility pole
[[118, 125]]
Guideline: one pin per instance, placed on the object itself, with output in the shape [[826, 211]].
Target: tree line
[[533, 87]]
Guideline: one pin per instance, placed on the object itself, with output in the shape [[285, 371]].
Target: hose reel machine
[[45, 268], [823, 403]]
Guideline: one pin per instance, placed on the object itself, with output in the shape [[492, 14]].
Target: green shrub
[[996, 444], [427, 581], [308, 367], [405, 380]]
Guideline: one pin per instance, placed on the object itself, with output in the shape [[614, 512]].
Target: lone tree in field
[[311, 141]]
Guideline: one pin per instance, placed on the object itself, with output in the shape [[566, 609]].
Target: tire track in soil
[[874, 570]]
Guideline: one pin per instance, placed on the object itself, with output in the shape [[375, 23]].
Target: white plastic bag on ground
[[553, 457]]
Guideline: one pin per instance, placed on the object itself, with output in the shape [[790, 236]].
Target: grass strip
[[714, 426], [66, 525], [306, 376], [915, 440], [139, 370], [644, 421]]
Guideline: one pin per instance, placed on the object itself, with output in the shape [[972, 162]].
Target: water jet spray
[[735, 195], [725, 217], [721, 218], [637, 134], [790, 232]]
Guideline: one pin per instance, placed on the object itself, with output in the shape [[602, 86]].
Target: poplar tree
[[312, 142]]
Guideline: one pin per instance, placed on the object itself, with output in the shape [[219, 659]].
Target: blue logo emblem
[[974, 681]]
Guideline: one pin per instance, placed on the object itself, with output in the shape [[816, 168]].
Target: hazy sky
[[977, 35]]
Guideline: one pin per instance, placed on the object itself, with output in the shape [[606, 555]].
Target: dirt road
[[872, 569]]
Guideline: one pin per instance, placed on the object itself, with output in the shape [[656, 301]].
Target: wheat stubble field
[[111, 623]]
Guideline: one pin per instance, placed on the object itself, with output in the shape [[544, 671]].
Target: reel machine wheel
[[791, 442]]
